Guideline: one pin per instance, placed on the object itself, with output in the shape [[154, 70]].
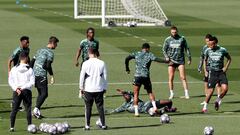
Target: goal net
[[121, 12]]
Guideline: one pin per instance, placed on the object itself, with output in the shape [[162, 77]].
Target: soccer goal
[[122, 12]]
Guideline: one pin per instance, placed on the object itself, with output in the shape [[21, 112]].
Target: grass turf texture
[[54, 17]]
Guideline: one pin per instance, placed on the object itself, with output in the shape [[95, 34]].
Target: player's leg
[[212, 81], [167, 104], [100, 106], [89, 99], [224, 89], [42, 88], [183, 78], [148, 87], [219, 90], [171, 71], [27, 101], [136, 89], [17, 99], [205, 80]]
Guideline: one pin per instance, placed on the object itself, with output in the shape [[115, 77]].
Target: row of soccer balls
[[53, 129], [208, 130]]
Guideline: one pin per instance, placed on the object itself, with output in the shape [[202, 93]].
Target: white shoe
[[171, 96], [202, 103], [187, 96]]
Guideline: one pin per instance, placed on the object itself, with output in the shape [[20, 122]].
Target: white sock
[[171, 93], [205, 105], [136, 109], [154, 105], [186, 92], [219, 100]]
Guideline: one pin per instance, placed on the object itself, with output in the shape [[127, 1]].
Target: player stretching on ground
[[217, 71], [143, 61], [200, 66], [173, 50], [143, 107], [42, 62], [89, 42]]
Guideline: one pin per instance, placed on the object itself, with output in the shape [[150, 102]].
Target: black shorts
[[139, 81], [205, 79], [216, 77], [175, 65]]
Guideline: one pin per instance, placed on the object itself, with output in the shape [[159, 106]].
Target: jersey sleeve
[[187, 49], [81, 44], [128, 58], [165, 48]]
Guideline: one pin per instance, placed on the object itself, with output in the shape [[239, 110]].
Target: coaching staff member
[[21, 79], [93, 84]]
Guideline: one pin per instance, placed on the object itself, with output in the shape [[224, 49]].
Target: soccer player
[[143, 107], [14, 59], [23, 47], [89, 42], [173, 50], [143, 61], [200, 66], [217, 71], [42, 63], [93, 84], [21, 79]]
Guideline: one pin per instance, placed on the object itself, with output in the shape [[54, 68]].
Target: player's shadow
[[130, 127], [118, 95], [61, 106], [75, 116], [232, 102]]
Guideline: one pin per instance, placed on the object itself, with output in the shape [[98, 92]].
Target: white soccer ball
[[208, 130], [151, 111], [134, 24], [66, 125], [32, 128], [52, 130], [98, 122], [164, 118]]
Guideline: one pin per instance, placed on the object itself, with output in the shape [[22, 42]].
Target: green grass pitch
[[40, 19]]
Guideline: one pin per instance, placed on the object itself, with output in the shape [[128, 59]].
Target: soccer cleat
[[137, 115], [11, 130], [173, 109], [104, 127], [171, 96], [86, 128], [204, 110], [216, 106], [37, 115]]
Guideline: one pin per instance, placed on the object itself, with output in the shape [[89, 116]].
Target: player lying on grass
[[143, 107]]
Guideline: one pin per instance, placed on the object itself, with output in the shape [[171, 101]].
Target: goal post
[[121, 12]]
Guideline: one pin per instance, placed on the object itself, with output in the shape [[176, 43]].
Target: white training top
[[22, 77], [93, 76]]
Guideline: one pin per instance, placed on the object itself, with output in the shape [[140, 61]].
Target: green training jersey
[[143, 61], [85, 45], [174, 47], [16, 53], [129, 106], [42, 55], [215, 58]]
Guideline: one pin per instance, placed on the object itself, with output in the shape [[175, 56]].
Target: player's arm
[[205, 64], [201, 61], [160, 60], [105, 78], [229, 59], [10, 60], [78, 53], [82, 77], [128, 58], [121, 108], [187, 51], [31, 63], [164, 49]]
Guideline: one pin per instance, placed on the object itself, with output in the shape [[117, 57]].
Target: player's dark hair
[[208, 36], [23, 55], [213, 39], [174, 28], [145, 46], [24, 38], [90, 29], [53, 39]]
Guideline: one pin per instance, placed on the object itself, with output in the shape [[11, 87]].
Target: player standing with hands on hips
[[92, 85], [42, 63], [21, 79]]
